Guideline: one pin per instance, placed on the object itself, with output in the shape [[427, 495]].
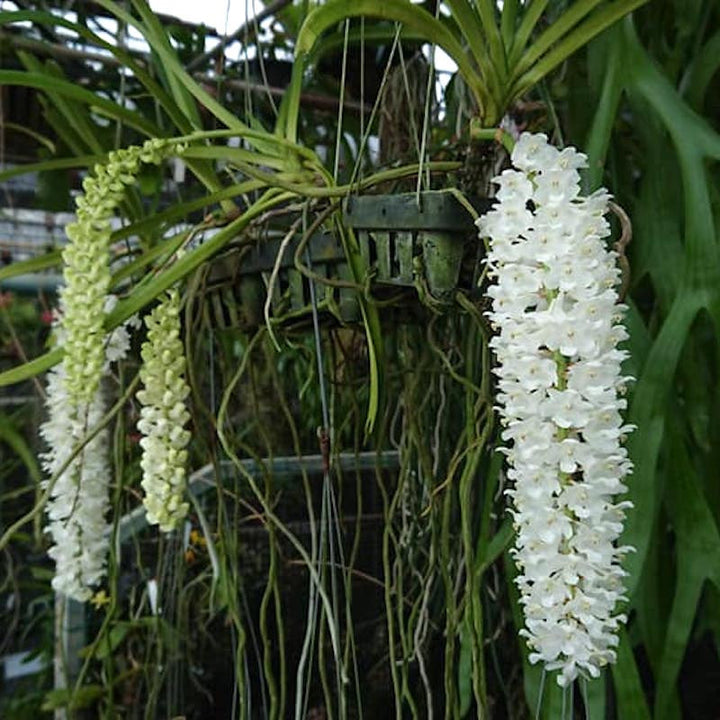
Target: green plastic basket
[[237, 283], [406, 239], [426, 243]]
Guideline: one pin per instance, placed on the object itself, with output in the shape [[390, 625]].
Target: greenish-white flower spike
[[79, 496], [164, 415], [87, 264]]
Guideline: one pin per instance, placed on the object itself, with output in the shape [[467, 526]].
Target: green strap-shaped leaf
[[487, 554], [698, 559], [31, 368], [490, 57], [537, 69], [156, 224], [594, 695], [700, 282], [236, 154], [380, 34], [146, 292], [487, 13], [170, 62], [402, 11], [648, 413], [631, 703], [10, 436], [159, 42], [702, 70], [606, 112], [86, 133], [508, 21], [574, 14], [176, 114], [531, 16], [45, 165], [67, 89], [33, 265], [11, 127], [542, 693], [124, 57]]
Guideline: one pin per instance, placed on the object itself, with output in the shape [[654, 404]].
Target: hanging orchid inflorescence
[[79, 500], [164, 415], [556, 312]]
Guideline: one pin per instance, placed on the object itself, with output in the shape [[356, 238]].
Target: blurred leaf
[[542, 693], [412, 16], [12, 127], [561, 42], [111, 640], [10, 436], [594, 694], [41, 573], [699, 283], [631, 702], [50, 165], [184, 89], [68, 89], [67, 698], [53, 191], [33, 265], [500, 542], [150, 180], [698, 559]]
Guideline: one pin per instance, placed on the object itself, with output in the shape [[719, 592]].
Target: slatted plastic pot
[[426, 242], [408, 238], [237, 283]]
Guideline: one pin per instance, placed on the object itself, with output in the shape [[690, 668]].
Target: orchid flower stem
[[499, 135]]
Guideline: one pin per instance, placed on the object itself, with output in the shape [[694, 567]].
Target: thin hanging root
[[621, 245], [273, 279], [269, 512]]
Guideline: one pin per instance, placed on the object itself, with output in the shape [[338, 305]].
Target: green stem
[[451, 700], [499, 135]]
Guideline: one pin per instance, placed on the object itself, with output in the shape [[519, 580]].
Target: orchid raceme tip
[[555, 308], [164, 415]]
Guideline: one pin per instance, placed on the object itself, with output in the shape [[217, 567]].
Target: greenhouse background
[[332, 385]]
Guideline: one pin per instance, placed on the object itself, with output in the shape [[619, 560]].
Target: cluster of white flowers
[[78, 500], [164, 415], [555, 307]]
